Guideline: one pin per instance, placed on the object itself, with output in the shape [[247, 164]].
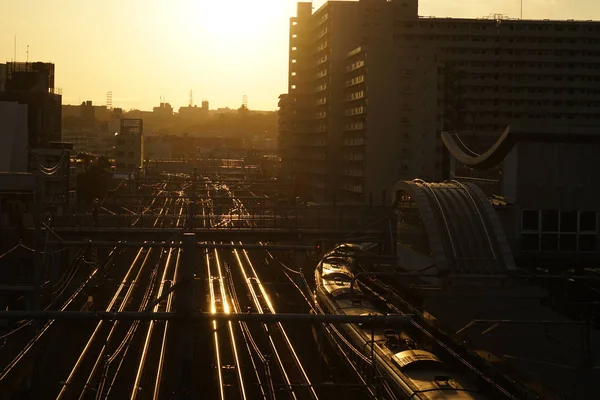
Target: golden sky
[[221, 49]]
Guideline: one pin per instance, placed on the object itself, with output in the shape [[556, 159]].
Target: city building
[[32, 84], [547, 197], [13, 137], [129, 146], [284, 141], [86, 133], [57, 184], [372, 85], [163, 110], [194, 112], [157, 148], [2, 77]]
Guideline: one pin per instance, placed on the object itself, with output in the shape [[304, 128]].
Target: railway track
[[115, 361], [284, 373]]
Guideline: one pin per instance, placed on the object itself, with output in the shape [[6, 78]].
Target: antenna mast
[[191, 98], [27, 54], [15, 56], [521, 9]]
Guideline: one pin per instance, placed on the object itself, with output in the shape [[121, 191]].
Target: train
[[407, 370]]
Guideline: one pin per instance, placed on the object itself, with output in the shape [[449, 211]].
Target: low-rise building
[[129, 146]]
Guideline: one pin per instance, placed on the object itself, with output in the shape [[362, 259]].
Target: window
[[568, 221], [549, 220], [564, 231], [530, 220], [587, 221]]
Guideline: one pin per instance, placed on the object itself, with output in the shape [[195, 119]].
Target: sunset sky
[[221, 49]]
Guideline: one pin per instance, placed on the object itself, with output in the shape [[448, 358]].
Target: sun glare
[[227, 20]]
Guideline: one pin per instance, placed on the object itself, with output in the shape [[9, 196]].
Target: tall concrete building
[[33, 84], [372, 85], [14, 153]]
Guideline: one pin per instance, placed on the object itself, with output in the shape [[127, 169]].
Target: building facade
[[373, 86], [33, 84], [129, 146], [13, 137]]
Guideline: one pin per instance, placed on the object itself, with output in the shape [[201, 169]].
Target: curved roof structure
[[464, 232], [509, 138]]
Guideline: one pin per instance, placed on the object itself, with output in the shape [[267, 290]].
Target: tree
[[95, 182]]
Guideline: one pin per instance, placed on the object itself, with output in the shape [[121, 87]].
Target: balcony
[[355, 81], [355, 65]]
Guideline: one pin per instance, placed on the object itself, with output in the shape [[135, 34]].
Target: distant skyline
[[142, 50]]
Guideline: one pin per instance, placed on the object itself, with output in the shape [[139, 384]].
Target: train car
[[408, 370]]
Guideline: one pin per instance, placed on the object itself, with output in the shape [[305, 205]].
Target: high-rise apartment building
[[373, 85]]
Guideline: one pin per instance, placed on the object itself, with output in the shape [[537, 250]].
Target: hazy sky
[[221, 49]]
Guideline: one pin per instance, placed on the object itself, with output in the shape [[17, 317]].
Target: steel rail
[[163, 282], [178, 244], [260, 309], [8, 368], [112, 303], [225, 302], [100, 356], [163, 351]]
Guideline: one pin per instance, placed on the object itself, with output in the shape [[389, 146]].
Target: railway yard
[[203, 286]]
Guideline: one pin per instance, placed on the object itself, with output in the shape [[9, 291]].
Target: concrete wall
[[14, 138], [129, 152]]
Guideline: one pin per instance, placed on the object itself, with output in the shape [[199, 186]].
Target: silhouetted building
[[13, 137], [193, 112], [33, 84], [2, 77], [163, 110], [129, 145], [284, 139], [425, 76]]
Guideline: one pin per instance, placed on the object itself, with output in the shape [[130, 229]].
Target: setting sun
[[226, 21]]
